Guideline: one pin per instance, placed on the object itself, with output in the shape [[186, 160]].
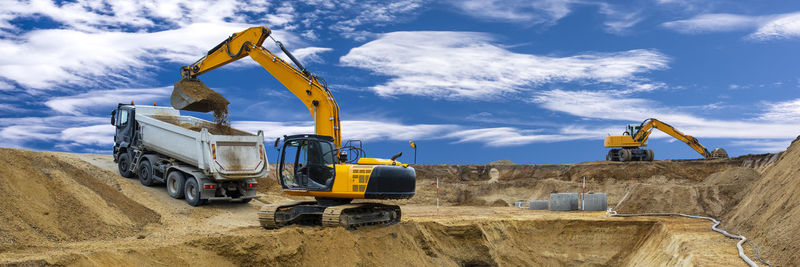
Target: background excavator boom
[[647, 127], [636, 136]]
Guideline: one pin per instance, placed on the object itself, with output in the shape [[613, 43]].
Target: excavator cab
[[633, 129], [307, 163]]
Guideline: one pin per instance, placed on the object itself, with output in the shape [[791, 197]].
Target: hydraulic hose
[[741, 238]]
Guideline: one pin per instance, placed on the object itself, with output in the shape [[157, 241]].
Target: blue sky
[[469, 81]]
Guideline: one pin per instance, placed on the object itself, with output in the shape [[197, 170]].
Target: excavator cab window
[[633, 129], [307, 164]]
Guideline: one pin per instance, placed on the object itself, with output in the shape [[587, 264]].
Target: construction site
[[178, 190], [74, 209]]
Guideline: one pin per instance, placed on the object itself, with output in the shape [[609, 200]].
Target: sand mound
[[45, 199], [715, 196], [770, 213]]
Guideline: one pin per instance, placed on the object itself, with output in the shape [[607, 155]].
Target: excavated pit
[[564, 242]]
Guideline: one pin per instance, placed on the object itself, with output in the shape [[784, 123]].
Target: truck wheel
[[124, 166], [175, 184], [192, 192], [146, 173]]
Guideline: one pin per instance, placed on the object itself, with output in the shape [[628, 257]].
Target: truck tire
[[124, 165], [192, 192], [146, 173], [175, 184]]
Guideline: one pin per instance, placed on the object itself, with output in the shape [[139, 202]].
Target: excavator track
[[266, 215], [352, 216]]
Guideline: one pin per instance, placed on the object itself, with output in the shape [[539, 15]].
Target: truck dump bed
[[225, 154]]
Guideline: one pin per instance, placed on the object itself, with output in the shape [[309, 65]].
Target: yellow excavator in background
[[314, 165], [636, 136]]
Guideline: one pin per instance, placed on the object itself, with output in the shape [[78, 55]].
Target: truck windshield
[[307, 164]]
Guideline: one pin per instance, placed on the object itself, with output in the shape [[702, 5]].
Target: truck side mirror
[[113, 117]]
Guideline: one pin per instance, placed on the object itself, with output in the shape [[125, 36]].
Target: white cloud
[[468, 65], [783, 26], [381, 130], [104, 58], [536, 11], [350, 18], [603, 106], [78, 104], [102, 134], [309, 54], [509, 136], [95, 16], [357, 129], [618, 21], [764, 146], [63, 131], [713, 23], [776, 26], [787, 111]]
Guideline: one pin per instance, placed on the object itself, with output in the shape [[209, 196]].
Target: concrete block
[[564, 201], [595, 202], [539, 204]]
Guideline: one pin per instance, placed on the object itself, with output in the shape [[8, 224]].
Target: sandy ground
[[130, 224]]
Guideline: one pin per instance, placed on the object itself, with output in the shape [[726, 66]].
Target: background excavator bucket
[[719, 153], [192, 95]]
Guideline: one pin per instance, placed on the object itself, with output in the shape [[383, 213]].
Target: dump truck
[[197, 160]]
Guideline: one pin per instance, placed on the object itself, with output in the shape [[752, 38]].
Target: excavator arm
[[648, 125], [310, 89]]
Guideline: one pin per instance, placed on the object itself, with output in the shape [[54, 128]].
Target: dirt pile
[[715, 196], [213, 128], [46, 199], [770, 213]]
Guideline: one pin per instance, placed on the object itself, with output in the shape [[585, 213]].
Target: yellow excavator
[[626, 146], [314, 165]]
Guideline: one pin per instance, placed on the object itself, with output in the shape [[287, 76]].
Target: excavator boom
[[191, 94]]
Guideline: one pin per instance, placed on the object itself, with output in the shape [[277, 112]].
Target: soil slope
[[46, 199], [770, 213]]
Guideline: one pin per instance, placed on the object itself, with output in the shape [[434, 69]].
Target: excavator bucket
[[192, 95], [719, 153]]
